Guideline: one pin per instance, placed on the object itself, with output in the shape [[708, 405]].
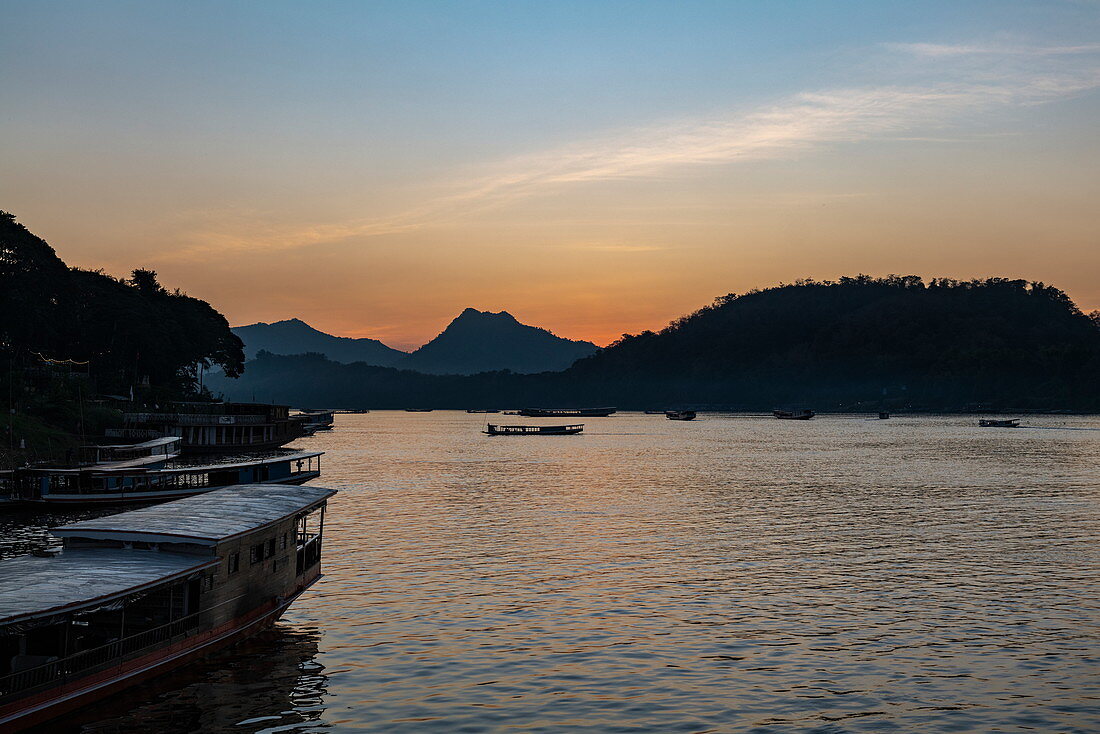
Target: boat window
[[256, 553], [234, 563], [270, 548], [283, 542]]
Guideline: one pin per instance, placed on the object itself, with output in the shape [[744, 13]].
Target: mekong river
[[737, 573]]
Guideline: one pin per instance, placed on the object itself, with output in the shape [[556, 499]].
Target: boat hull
[[567, 413], [42, 707], [134, 498]]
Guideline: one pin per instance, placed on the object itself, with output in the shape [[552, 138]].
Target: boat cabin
[[134, 594], [125, 484]]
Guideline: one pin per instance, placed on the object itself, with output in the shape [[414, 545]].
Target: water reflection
[[268, 683], [731, 574]]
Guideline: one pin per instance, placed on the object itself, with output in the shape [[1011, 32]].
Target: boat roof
[[205, 519], [40, 586], [145, 444], [126, 467]]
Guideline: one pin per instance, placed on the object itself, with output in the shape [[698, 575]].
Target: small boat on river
[[473, 410], [794, 415], [419, 410], [680, 415], [566, 412], [134, 595], [496, 430], [999, 423], [120, 485]]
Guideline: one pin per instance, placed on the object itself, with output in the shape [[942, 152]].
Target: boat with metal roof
[[134, 595], [128, 484], [214, 427]]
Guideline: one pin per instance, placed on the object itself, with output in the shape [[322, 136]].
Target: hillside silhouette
[[856, 343], [481, 341], [475, 341], [294, 336]]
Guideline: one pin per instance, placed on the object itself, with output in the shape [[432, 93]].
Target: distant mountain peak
[[484, 341], [472, 314]]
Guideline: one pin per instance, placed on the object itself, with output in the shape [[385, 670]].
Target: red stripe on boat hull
[[40, 707]]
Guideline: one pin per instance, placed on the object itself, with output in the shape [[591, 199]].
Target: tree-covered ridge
[[122, 331], [857, 343]]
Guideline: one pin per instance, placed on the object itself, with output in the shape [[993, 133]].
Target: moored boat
[[999, 423], [419, 410], [497, 430], [883, 415], [474, 410], [151, 452], [315, 420], [134, 595], [567, 412], [209, 428], [98, 485], [680, 415], [794, 415]]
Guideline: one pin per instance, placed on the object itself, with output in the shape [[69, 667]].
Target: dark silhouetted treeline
[[117, 333], [858, 343]]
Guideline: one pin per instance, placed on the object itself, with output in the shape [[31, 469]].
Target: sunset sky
[[592, 167]]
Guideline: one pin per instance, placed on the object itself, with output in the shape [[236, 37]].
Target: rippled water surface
[[732, 574]]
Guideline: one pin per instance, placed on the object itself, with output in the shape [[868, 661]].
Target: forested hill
[[115, 333], [858, 343]]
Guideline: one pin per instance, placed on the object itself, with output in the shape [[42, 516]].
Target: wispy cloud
[[941, 50], [795, 126]]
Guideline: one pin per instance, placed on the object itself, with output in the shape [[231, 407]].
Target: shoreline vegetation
[[854, 345], [76, 346]]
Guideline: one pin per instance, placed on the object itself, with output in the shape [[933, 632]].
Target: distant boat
[[995, 423], [497, 430], [883, 415], [419, 410], [656, 412], [680, 415], [511, 412], [567, 412], [794, 415], [472, 410]]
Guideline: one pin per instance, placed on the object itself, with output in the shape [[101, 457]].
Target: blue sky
[[553, 159]]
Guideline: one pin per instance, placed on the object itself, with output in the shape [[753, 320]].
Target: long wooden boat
[[680, 415], [497, 430], [567, 412], [474, 410], [157, 451], [999, 423], [128, 485], [315, 420], [794, 415], [419, 410], [134, 595], [215, 428]]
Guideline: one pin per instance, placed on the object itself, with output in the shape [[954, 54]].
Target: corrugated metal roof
[[34, 587], [206, 518]]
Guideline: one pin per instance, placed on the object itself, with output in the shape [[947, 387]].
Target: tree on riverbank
[[68, 334]]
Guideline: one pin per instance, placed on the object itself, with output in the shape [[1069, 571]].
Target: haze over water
[[732, 574]]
